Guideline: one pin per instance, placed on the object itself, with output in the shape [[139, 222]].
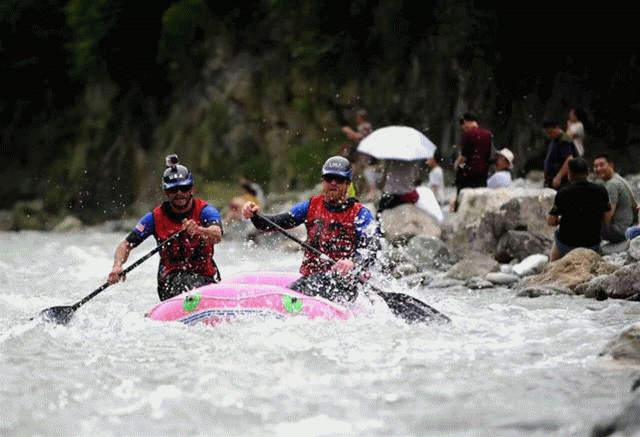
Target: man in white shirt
[[502, 177]]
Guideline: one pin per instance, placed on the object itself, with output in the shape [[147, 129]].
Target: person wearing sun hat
[[502, 176]]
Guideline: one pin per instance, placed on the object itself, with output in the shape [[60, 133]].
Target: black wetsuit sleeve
[[134, 239], [284, 220]]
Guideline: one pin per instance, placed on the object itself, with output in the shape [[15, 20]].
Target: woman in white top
[[502, 177], [575, 130], [436, 177]]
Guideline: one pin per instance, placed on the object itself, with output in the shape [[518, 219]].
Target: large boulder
[[624, 283], [625, 345], [519, 245], [577, 267], [69, 224], [406, 221], [427, 252], [419, 259], [6, 220], [634, 249], [485, 215], [473, 265], [31, 215]]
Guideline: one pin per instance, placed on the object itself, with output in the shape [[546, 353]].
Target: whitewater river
[[505, 366]]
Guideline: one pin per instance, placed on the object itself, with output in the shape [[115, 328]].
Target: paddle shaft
[[297, 240], [125, 271], [398, 302]]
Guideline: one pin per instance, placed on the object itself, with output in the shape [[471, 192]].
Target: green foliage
[[89, 21], [183, 43], [306, 161], [252, 164]]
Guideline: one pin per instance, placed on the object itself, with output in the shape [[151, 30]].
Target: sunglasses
[[183, 188], [339, 179]]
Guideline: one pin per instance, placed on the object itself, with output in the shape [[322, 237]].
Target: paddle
[[402, 305], [62, 314]]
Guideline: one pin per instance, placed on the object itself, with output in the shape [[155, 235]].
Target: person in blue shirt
[[186, 262]]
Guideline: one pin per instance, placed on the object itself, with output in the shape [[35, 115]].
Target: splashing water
[[505, 366]]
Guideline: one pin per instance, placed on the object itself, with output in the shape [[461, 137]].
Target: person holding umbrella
[[402, 148]]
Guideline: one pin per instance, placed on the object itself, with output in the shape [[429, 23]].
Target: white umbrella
[[397, 142]]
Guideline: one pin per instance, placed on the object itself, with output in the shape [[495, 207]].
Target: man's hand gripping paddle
[[402, 305], [62, 314]]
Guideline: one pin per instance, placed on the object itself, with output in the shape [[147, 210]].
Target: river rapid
[[505, 366]]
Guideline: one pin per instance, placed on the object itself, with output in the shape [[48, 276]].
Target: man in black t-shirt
[[579, 210]]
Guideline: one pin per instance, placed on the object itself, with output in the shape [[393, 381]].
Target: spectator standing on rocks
[[579, 209], [624, 208], [474, 157], [560, 150]]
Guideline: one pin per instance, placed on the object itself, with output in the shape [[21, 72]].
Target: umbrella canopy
[[397, 142]]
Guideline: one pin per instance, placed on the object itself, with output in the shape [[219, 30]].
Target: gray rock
[[485, 215], [68, 224], [519, 245], [6, 220], [624, 282], [543, 290], [579, 266], [625, 345], [427, 252], [418, 279], [478, 283], [406, 221], [30, 215], [613, 248], [595, 288], [634, 249], [446, 283], [500, 278], [473, 264], [531, 265]]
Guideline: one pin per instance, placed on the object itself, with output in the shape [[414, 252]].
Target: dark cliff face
[[264, 94]]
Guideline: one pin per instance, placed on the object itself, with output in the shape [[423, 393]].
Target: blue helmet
[[337, 165], [175, 175]]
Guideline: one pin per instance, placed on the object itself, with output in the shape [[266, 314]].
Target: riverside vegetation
[[98, 92]]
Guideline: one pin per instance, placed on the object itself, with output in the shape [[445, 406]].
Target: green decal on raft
[[291, 304], [191, 302]]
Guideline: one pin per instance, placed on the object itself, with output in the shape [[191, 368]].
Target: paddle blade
[[60, 315], [412, 310]]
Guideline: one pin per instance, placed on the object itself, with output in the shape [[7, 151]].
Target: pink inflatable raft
[[247, 294]]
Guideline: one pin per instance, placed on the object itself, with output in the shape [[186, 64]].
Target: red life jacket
[[190, 253], [331, 232]]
